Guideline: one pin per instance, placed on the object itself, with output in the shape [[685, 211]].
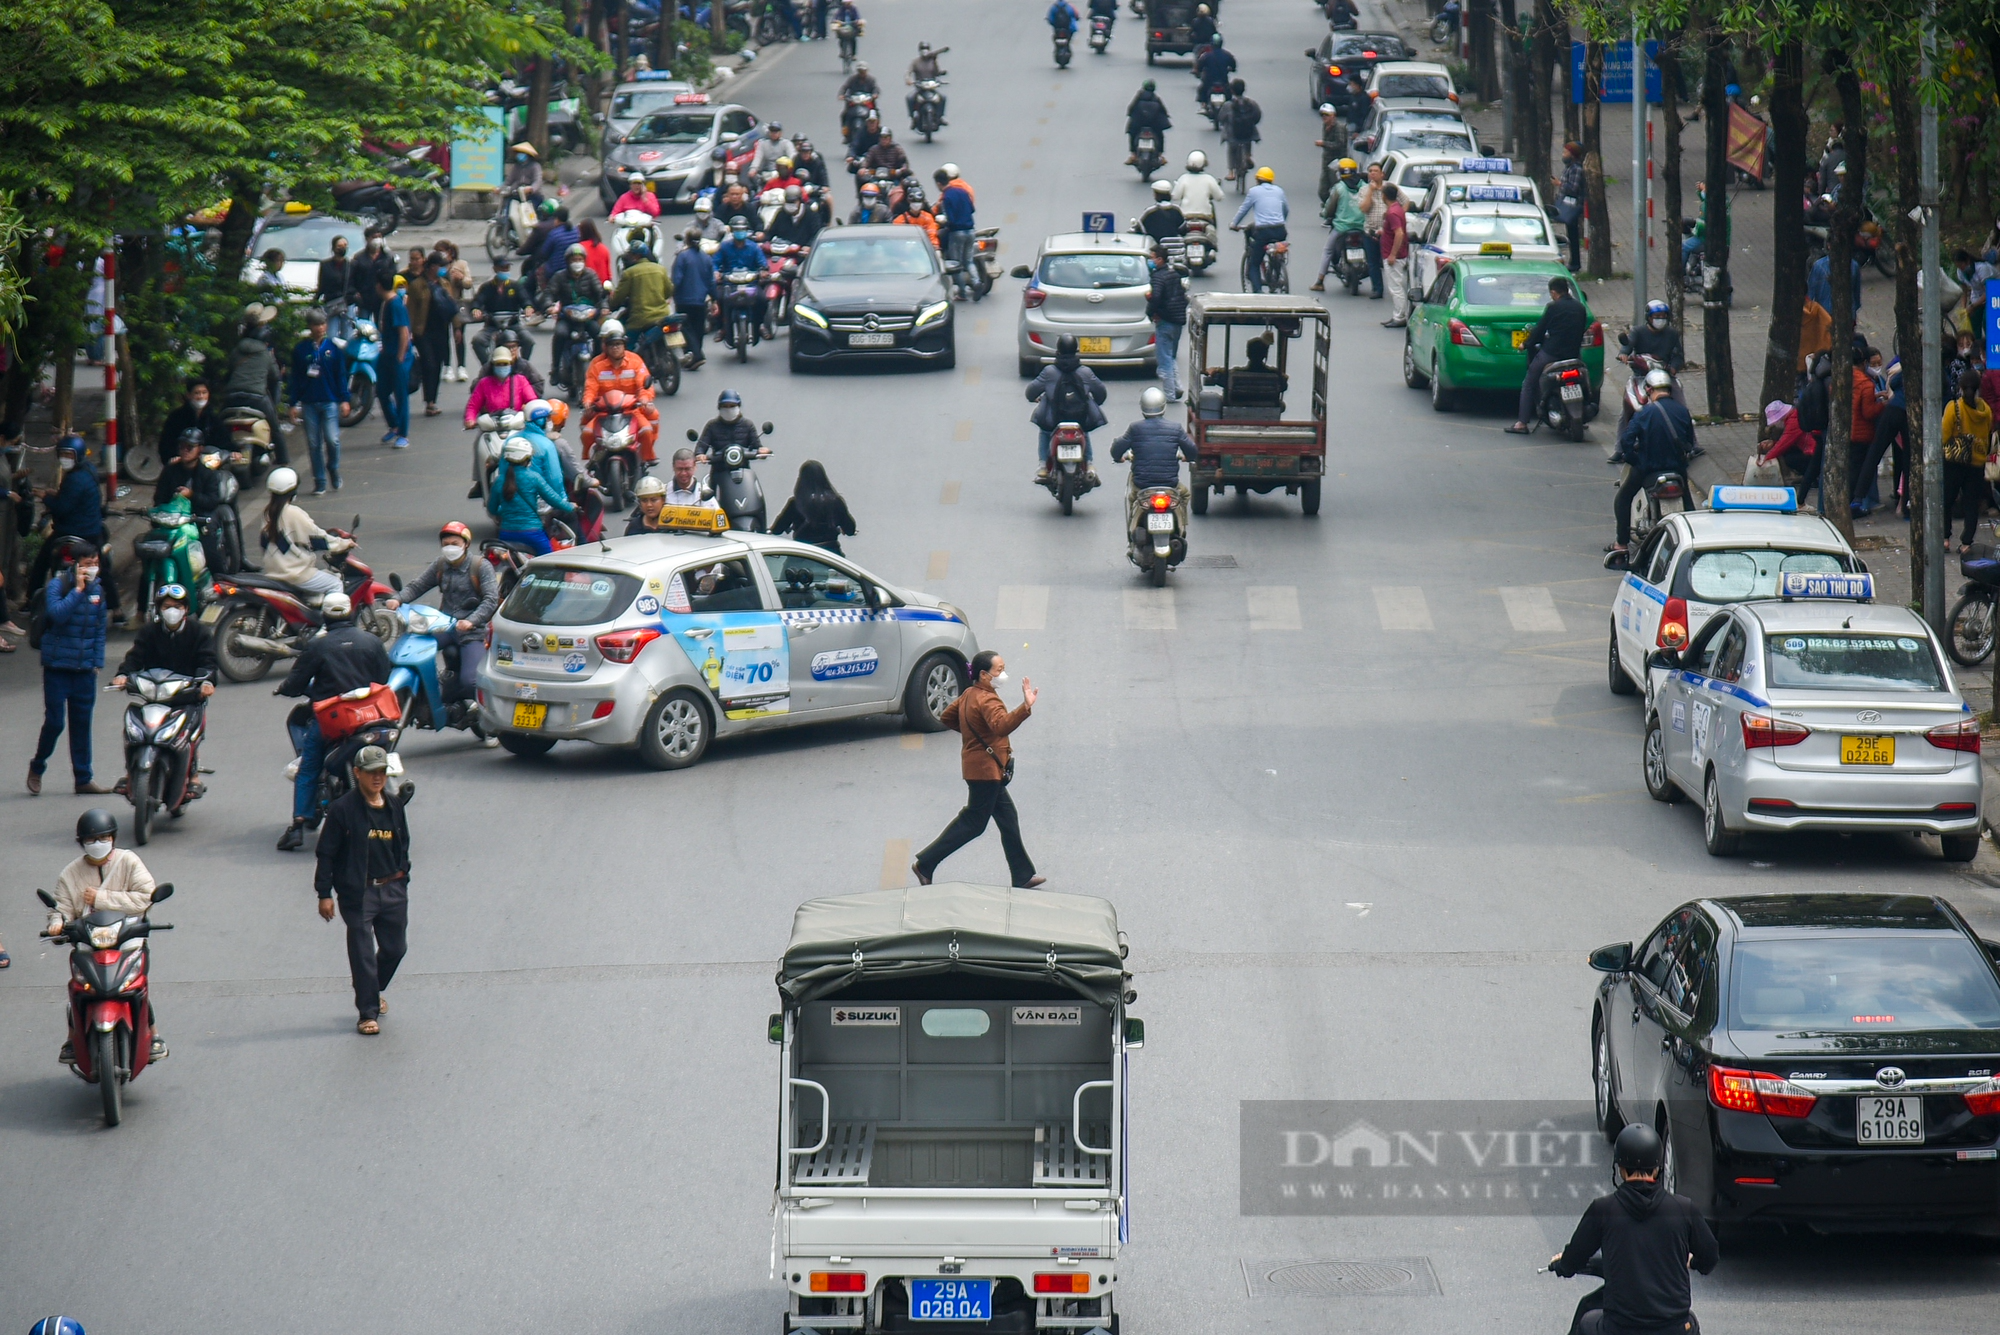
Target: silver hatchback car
[[667, 642], [1093, 285]]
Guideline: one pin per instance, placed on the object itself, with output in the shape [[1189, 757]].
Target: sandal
[[5, 959], [367, 1026]]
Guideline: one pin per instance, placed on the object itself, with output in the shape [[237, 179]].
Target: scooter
[[1100, 32], [1067, 477], [1969, 627], [510, 224], [1062, 49], [581, 322], [338, 758], [1156, 541], [494, 429], [735, 484], [359, 351], [1635, 386], [985, 260], [1443, 24], [222, 527], [614, 456], [927, 115], [1350, 262], [1565, 404], [421, 196], [172, 553], [739, 302], [162, 727], [1147, 158], [1662, 492], [860, 106], [849, 37], [252, 453], [258, 620], [418, 673], [659, 346], [110, 1004], [1199, 243]]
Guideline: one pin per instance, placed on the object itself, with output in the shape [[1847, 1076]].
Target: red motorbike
[[784, 264], [258, 620], [110, 1006], [613, 435]]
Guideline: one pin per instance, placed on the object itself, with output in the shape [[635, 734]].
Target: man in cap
[[363, 870]]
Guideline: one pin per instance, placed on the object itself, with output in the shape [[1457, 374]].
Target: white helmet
[[282, 481], [1658, 379], [611, 329], [1163, 189], [1153, 401], [950, 169], [336, 607], [649, 486], [702, 205], [517, 450], [1197, 161]]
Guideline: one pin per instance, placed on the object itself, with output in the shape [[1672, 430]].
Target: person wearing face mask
[[105, 877], [194, 413], [177, 642], [75, 507], [368, 272], [72, 652], [728, 427], [576, 285], [501, 390], [618, 368], [469, 592], [499, 295], [986, 761]]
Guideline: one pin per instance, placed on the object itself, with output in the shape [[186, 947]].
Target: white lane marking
[[895, 863], [1022, 607], [1273, 607], [1533, 610], [1402, 607], [1150, 609]]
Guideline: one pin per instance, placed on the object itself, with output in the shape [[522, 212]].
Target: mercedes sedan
[[873, 293]]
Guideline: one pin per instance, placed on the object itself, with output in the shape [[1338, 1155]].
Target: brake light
[[1769, 730], [1758, 1092], [1955, 808], [1667, 490], [1984, 1100], [603, 710], [1756, 1181], [622, 646], [1574, 373], [1960, 736], [1071, 1282], [1162, 501], [1673, 625], [1778, 805], [1334, 70], [1462, 335], [1594, 338], [1368, 55], [1033, 297], [839, 1281]]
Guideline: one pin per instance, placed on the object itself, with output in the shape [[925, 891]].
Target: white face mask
[[576, 266], [999, 677], [97, 850], [64, 465], [1658, 322], [730, 413], [171, 617], [374, 245], [453, 552], [89, 574]]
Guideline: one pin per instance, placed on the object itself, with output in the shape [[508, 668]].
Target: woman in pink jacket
[[499, 390]]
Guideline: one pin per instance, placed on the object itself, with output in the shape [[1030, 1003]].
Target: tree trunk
[[1537, 127], [1670, 175], [1904, 108], [718, 25], [1789, 128], [1485, 79], [537, 131], [1597, 208], [244, 200], [1513, 75], [1572, 109], [1720, 365], [663, 42], [1840, 253]]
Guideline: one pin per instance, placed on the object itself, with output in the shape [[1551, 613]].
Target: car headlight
[[932, 312], [809, 315], [105, 938]]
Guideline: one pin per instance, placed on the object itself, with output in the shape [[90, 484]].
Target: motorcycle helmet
[[558, 414], [282, 481], [1348, 167], [1265, 175], [454, 529], [576, 252], [547, 209], [1637, 1149], [869, 188], [502, 356], [793, 194], [702, 205], [96, 823], [727, 398], [510, 339], [1163, 190], [537, 411], [57, 1325], [611, 329], [170, 593], [1150, 86], [1066, 345], [336, 607], [1153, 401], [784, 166], [192, 436], [640, 251], [648, 486], [1326, 109], [1197, 161], [517, 450], [1658, 379], [1657, 314], [948, 172]]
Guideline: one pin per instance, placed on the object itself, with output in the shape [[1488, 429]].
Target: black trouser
[[432, 353], [1621, 508], [377, 921], [1531, 388], [985, 799], [1964, 493], [1574, 230], [1866, 465], [483, 341], [1371, 246], [694, 324]]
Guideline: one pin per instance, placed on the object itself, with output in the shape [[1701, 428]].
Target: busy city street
[[1353, 782]]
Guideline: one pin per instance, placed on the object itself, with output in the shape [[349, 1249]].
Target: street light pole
[[1932, 527], [1639, 117]]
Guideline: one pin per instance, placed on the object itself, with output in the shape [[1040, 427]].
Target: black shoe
[[472, 493], [923, 877], [68, 1054], [293, 838]]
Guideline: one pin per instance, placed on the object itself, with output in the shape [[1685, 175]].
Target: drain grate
[[1384, 1277], [1215, 562]]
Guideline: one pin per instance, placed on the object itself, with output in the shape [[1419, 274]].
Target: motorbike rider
[[773, 146], [728, 427], [916, 212], [871, 209], [739, 252], [887, 155], [616, 368], [641, 196], [1164, 220], [956, 225], [645, 291], [797, 222], [253, 380], [859, 82], [1658, 339], [185, 475], [926, 66], [196, 412], [1342, 13], [468, 592], [292, 542], [1196, 193], [1106, 10], [808, 165], [1343, 215], [1066, 391], [706, 223], [649, 497], [575, 286], [499, 389], [1556, 337], [103, 877], [1156, 447], [861, 141], [524, 171], [499, 295], [1239, 119], [179, 643], [1213, 71], [1146, 112], [1332, 145], [1658, 439], [342, 659], [1202, 30], [1062, 18], [694, 283], [1266, 207], [1649, 1237], [519, 488]]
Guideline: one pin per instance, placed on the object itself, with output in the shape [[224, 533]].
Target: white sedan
[[1479, 228]]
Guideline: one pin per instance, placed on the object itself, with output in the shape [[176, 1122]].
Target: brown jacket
[[982, 721]]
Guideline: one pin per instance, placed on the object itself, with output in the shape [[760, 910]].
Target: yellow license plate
[[676, 341], [1520, 339], [211, 614], [1100, 347], [529, 716], [1867, 750]]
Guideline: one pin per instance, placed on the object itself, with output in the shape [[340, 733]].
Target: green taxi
[[1467, 332]]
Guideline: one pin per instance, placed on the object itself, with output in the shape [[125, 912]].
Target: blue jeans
[[528, 537], [395, 388], [312, 759], [73, 690], [1167, 344], [1042, 450], [322, 424]]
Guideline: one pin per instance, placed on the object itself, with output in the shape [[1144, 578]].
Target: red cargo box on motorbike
[[344, 715]]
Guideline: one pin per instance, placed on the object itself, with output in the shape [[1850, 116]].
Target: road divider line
[[1402, 607], [949, 496], [1022, 607], [1273, 607], [1532, 609], [973, 375], [911, 741], [940, 566], [963, 429], [1150, 609], [895, 863]]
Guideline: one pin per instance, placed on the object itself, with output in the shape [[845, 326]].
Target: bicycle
[[1241, 164]]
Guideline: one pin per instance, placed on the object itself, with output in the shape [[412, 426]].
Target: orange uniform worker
[[915, 212], [615, 368]]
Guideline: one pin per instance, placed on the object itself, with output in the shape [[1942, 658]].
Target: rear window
[[673, 127], [1094, 271], [1726, 576], [1515, 291], [569, 597], [1918, 980], [1479, 228], [1416, 180], [874, 255], [1847, 662], [1413, 85], [1427, 138], [626, 106]]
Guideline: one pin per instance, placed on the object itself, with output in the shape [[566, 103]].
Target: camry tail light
[[1984, 1100], [1770, 730], [1462, 335], [839, 1281], [1161, 501], [1033, 297], [1673, 625], [622, 646], [1075, 1281], [1960, 736], [1594, 337], [1758, 1092]]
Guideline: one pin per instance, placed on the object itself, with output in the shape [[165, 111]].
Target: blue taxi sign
[[1099, 222], [1499, 166], [1506, 194], [1772, 500], [1838, 585]]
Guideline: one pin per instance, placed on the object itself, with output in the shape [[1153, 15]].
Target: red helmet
[[456, 530]]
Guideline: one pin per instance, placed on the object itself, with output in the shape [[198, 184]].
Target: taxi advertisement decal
[[743, 657], [839, 664]]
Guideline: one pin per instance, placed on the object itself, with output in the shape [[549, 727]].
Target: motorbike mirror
[[1021, 271], [1625, 339], [355, 527], [163, 892], [1612, 959], [395, 581], [774, 1029], [46, 898], [767, 428], [1311, 54], [692, 435]]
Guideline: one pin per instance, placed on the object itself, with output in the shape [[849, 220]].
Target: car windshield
[[1478, 228], [632, 105], [903, 252], [673, 127], [547, 597], [311, 240], [1734, 576], [1848, 662], [1098, 270], [1430, 136], [1863, 984], [1416, 180], [1520, 291], [1413, 85]]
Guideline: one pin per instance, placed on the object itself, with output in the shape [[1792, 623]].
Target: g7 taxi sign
[[1773, 500]]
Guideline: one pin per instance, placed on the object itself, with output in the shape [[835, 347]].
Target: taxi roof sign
[[1500, 166], [1771, 500], [1505, 248], [690, 99], [1798, 584], [1507, 194], [694, 518]]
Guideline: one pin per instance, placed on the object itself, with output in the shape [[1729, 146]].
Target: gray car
[[672, 148], [665, 643], [1093, 285]]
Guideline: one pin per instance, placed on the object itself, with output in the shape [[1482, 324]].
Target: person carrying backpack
[[1067, 391]]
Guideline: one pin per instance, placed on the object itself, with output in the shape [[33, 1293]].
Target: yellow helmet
[[1348, 165], [1266, 175]]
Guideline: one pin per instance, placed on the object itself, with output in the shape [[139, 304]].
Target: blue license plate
[[951, 1300]]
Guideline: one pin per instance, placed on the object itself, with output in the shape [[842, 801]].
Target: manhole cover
[[1215, 562], [1381, 1277]]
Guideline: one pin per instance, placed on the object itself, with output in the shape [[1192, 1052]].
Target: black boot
[[293, 838]]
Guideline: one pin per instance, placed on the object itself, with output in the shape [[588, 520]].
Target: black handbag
[[1006, 770]]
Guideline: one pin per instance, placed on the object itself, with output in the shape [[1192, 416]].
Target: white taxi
[[1696, 563], [1479, 227], [1475, 180]]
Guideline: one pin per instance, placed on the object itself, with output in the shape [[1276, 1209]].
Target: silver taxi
[[1695, 563], [1816, 711], [1093, 285], [666, 642]]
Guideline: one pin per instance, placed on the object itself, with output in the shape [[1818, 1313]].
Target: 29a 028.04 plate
[[951, 1300]]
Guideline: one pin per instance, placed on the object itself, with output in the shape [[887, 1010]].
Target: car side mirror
[[161, 893], [599, 117], [355, 526], [395, 581], [692, 435], [1135, 1033], [1860, 566], [767, 428], [46, 898], [1612, 959], [1021, 271], [774, 1029], [1670, 659], [1311, 54]]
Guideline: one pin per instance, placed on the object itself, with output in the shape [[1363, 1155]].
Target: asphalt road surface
[[1354, 784]]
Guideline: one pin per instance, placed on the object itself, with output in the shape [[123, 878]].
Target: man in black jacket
[[334, 282], [1156, 448], [364, 869], [183, 474], [345, 657], [1556, 337], [1650, 1238], [194, 413], [179, 643], [1166, 307], [728, 427], [1146, 112], [1658, 439], [368, 272]]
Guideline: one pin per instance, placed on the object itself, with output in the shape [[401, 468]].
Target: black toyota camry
[[873, 291], [1823, 1059]]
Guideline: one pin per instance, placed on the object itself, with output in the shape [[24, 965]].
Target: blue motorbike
[[360, 350], [418, 672]]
